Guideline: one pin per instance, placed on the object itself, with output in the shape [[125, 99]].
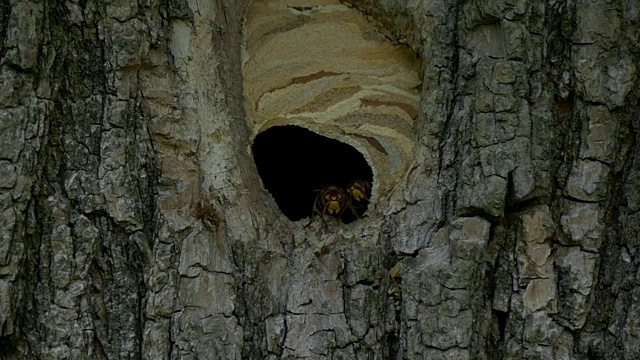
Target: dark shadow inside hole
[[294, 162]]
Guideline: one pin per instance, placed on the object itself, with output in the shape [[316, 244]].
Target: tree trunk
[[133, 223]]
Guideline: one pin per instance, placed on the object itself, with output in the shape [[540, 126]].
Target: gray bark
[[133, 223]]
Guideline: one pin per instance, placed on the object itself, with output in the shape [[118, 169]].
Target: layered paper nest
[[321, 65]]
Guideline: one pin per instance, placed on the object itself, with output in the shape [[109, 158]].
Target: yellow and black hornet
[[331, 201], [359, 192]]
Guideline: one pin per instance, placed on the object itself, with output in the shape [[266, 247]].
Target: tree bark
[[133, 223]]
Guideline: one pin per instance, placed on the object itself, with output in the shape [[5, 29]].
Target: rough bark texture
[[133, 224]]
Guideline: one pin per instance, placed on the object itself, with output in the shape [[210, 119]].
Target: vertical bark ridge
[[133, 223]]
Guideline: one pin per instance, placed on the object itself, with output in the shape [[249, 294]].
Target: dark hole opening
[[294, 162]]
